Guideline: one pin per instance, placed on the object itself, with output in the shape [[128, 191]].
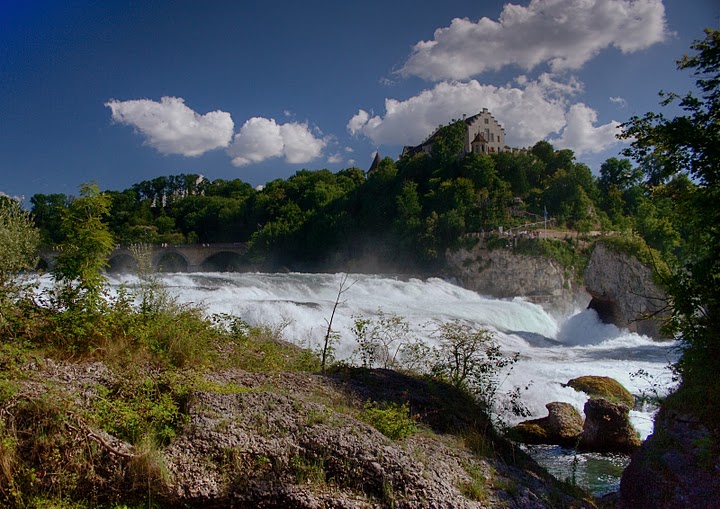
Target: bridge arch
[[170, 260], [223, 261], [122, 262], [44, 264]]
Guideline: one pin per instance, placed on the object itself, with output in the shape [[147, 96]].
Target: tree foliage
[[689, 144], [19, 240], [84, 253]]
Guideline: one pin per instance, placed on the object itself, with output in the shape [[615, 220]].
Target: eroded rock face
[[623, 292], [678, 466], [280, 440], [500, 273], [562, 426], [607, 427]]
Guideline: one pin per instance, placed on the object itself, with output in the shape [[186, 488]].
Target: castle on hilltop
[[483, 135]]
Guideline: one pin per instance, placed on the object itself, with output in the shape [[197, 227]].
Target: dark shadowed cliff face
[[623, 291], [677, 467]]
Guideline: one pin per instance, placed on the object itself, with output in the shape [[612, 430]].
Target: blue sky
[[124, 91]]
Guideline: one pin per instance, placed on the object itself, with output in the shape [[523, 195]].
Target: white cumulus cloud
[[171, 127], [263, 138], [582, 136], [529, 113], [564, 34], [358, 121], [622, 103]]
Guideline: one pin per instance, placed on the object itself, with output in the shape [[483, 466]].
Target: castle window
[[492, 136], [487, 120]]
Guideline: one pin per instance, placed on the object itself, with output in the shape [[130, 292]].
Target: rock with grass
[[607, 428], [603, 387], [562, 426], [265, 439]]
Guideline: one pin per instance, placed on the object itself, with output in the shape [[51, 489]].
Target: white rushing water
[[552, 349]]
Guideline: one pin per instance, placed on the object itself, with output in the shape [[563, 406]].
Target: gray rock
[[678, 466], [607, 428], [623, 292], [502, 274], [562, 426]]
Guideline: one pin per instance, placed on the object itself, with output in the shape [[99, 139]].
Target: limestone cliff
[[501, 273], [623, 291]]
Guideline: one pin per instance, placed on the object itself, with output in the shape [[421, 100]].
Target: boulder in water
[[603, 387], [607, 428], [562, 426]]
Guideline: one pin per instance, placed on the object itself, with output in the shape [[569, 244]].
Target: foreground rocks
[[288, 440], [562, 426], [606, 428], [603, 387], [678, 466]]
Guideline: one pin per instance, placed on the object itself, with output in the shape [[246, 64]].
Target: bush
[[390, 419], [19, 240], [635, 246]]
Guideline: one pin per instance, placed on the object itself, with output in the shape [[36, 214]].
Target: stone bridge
[[173, 258]]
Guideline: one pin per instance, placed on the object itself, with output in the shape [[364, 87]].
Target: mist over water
[[552, 349]]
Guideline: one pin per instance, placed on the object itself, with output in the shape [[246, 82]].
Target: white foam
[[553, 350]]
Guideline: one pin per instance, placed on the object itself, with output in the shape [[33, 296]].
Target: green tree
[[19, 240], [47, 214], [79, 268], [690, 144], [619, 172], [448, 143]]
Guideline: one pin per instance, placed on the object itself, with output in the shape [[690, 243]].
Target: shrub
[[390, 419], [19, 241], [383, 341], [142, 408]]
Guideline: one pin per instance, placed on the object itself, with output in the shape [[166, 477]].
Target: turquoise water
[[598, 473]]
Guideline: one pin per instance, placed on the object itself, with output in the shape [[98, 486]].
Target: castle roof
[[375, 163], [479, 138]]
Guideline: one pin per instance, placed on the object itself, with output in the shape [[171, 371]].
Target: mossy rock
[[528, 433], [603, 387], [562, 426]]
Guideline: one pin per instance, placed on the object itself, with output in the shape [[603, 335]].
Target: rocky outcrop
[[623, 291], [277, 440], [603, 387], [678, 466], [607, 428], [500, 273], [562, 426]]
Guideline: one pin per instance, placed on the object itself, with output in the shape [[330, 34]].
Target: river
[[553, 348]]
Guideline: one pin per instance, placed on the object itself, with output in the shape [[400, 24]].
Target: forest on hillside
[[412, 209]]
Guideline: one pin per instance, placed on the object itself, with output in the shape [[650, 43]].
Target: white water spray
[[552, 351]]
